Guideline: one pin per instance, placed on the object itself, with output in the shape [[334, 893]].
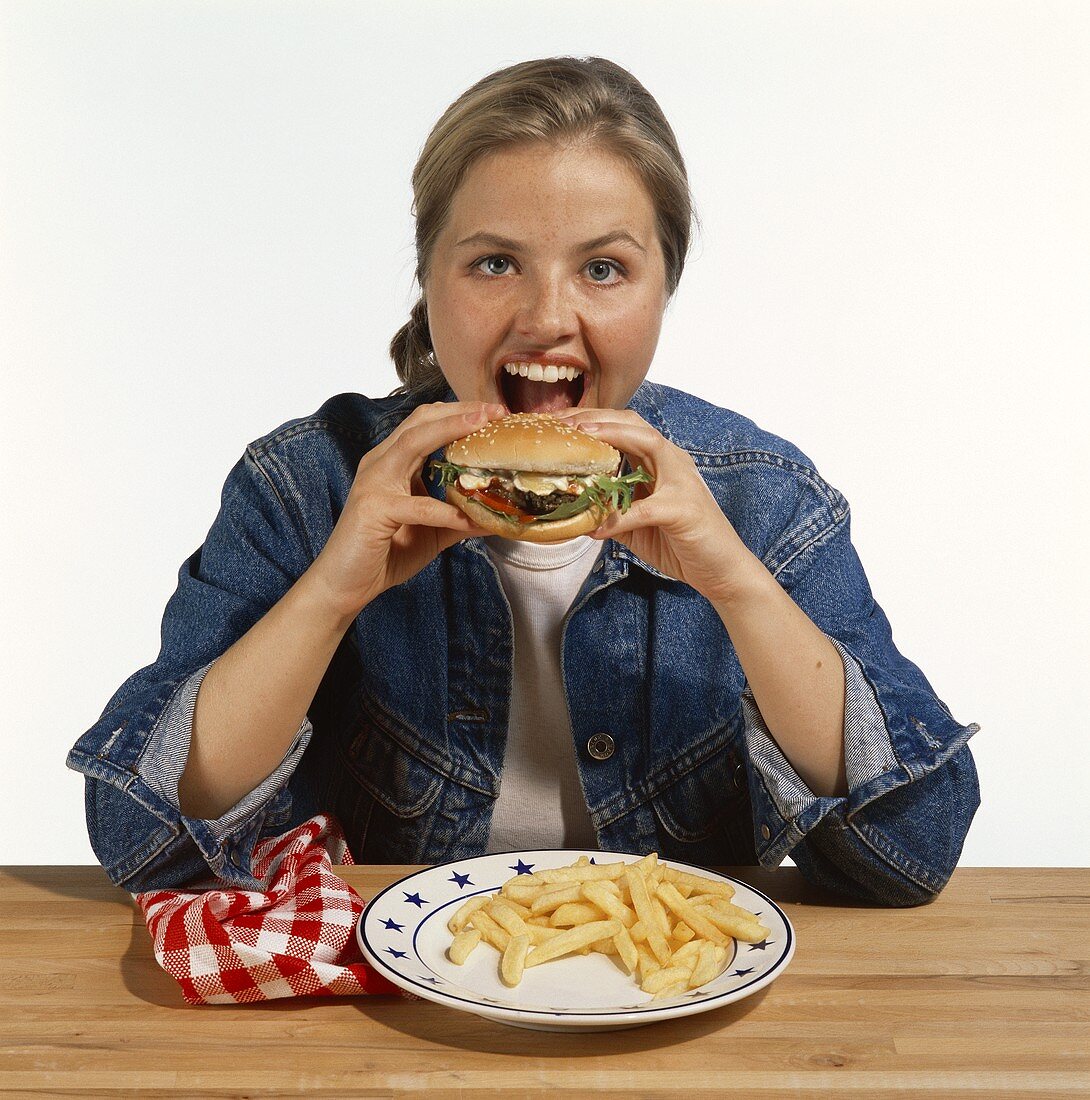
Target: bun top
[[534, 443]]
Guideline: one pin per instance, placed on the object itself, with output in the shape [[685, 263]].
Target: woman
[[707, 675]]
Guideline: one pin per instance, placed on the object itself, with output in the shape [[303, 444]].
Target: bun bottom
[[557, 530]]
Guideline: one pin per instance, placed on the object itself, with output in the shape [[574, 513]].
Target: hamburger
[[530, 476]]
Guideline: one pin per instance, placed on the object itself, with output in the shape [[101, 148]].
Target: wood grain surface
[[984, 993]]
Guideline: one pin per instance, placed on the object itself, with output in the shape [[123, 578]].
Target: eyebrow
[[493, 240]]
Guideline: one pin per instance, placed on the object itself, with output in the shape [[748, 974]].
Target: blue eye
[[602, 266], [493, 260]]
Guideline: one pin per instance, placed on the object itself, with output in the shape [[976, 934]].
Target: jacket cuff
[[163, 761], [868, 754]]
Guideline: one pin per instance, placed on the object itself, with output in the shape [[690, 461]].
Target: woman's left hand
[[674, 524]]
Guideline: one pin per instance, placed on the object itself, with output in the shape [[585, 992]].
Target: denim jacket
[[404, 741]]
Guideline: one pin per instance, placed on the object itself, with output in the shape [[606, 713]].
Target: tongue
[[541, 397]]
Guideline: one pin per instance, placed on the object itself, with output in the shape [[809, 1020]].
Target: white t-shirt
[[541, 802]]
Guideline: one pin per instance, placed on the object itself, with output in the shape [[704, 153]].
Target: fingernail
[[592, 428]]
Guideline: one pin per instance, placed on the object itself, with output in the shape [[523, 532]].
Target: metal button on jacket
[[600, 746]]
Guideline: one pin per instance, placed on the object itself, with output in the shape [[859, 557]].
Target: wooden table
[[983, 993]]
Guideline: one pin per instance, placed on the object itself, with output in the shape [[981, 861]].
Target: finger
[[445, 539], [413, 441], [642, 513], [426, 511]]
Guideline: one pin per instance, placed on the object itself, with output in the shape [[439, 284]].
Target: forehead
[[577, 189]]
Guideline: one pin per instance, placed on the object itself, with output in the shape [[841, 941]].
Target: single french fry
[[540, 933], [665, 923], [701, 925], [664, 977], [648, 964], [747, 930], [670, 991], [553, 899], [591, 872], [519, 882], [462, 944], [609, 903], [507, 917], [463, 912], [514, 960], [648, 863], [582, 861], [641, 902], [524, 893], [700, 884], [575, 912], [638, 932], [574, 939], [604, 947], [687, 954], [522, 910], [705, 969], [490, 930], [627, 950], [724, 905], [682, 932]]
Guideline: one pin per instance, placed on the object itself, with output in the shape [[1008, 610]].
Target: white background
[[206, 232]]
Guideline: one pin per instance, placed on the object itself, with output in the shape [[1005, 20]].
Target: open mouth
[[534, 387]]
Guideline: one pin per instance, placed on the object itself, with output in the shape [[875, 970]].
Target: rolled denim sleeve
[[912, 785], [253, 553], [868, 751], [165, 759]]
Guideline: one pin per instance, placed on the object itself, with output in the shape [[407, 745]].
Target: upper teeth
[[539, 372]]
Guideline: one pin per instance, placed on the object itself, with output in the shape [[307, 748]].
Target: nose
[[546, 313]]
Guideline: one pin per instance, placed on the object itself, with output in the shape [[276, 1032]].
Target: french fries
[[670, 929]]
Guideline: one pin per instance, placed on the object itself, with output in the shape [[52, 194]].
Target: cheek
[[461, 318], [634, 332]]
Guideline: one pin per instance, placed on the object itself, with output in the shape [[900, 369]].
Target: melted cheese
[[541, 484]]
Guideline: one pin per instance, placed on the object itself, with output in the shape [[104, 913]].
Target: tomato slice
[[499, 504]]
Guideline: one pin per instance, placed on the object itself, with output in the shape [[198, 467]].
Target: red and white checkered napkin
[[295, 938]]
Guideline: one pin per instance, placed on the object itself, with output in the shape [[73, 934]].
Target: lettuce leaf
[[607, 492]]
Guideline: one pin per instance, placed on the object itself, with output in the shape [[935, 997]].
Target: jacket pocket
[[381, 795], [704, 816]]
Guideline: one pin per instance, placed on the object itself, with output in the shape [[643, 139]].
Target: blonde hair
[[561, 100]]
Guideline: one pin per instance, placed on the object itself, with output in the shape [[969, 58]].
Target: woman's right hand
[[390, 527]]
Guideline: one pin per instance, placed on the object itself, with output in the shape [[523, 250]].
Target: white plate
[[403, 933]]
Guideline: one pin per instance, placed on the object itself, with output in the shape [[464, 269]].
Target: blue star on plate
[[592, 859], [434, 981], [521, 868], [462, 880], [397, 954], [416, 899], [693, 996], [742, 973], [392, 925], [760, 946]]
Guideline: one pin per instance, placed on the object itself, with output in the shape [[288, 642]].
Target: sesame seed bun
[[534, 443]]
